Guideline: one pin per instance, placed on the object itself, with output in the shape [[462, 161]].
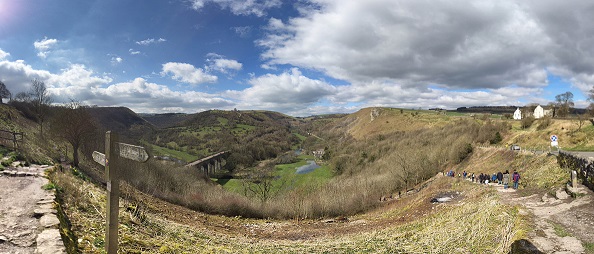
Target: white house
[[518, 114], [538, 112]]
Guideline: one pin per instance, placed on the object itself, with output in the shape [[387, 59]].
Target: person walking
[[505, 179], [516, 179], [499, 177]]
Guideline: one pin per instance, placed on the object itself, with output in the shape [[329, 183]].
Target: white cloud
[[187, 73], [150, 41], [240, 7], [287, 92], [72, 82], [116, 60], [468, 44], [44, 46], [221, 64], [3, 54], [143, 96], [82, 84], [133, 52]]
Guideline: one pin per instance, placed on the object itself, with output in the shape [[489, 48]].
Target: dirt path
[[28, 223], [562, 223]]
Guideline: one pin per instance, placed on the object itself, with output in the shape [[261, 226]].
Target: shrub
[[544, 123], [527, 122], [496, 139]]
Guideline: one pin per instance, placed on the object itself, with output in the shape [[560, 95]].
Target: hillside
[[165, 120], [121, 120], [252, 135], [411, 224], [385, 168], [37, 149]]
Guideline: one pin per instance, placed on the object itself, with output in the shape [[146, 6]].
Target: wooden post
[[113, 193]]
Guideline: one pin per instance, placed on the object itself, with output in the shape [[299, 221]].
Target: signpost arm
[[113, 193]]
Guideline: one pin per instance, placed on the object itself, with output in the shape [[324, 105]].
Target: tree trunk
[[75, 155]]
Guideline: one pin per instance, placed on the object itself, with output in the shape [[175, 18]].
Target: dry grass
[[477, 224]]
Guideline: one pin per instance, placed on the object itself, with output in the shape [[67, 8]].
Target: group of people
[[500, 178]]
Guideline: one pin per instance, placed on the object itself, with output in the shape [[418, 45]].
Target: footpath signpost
[[111, 160]]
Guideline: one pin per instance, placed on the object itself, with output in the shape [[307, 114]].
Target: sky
[[300, 57]]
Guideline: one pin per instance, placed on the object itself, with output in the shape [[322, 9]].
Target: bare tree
[[581, 120], [4, 93], [565, 103], [264, 185], [591, 99], [75, 125], [40, 99]]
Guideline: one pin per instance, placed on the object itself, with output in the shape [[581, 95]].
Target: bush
[[527, 122], [544, 123], [496, 139]]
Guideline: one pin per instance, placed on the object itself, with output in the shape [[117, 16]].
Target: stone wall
[[583, 166]]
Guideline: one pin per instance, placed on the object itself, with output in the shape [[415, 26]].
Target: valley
[[367, 187]]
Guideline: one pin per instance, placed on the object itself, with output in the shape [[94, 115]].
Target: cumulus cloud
[[3, 54], [143, 96], [221, 64], [150, 41], [44, 46], [133, 52], [187, 73], [240, 7], [72, 82], [464, 44], [80, 83], [287, 92]]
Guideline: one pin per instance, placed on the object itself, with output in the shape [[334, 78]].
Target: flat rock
[[49, 220], [561, 194], [42, 211], [49, 242], [45, 201]]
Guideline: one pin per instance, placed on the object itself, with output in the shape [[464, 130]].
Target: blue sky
[[299, 57]]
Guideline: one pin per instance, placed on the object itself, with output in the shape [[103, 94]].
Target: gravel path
[[562, 223], [28, 221]]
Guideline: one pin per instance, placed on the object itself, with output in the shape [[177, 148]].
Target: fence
[[10, 138], [583, 166]]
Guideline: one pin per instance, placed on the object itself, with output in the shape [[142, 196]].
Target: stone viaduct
[[210, 164]]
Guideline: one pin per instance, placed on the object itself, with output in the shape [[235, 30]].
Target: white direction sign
[[99, 158], [135, 153]]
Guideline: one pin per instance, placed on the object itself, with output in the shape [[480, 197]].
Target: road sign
[[135, 153], [554, 138], [99, 158]]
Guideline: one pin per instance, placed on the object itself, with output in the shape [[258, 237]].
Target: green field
[[287, 178], [162, 151]]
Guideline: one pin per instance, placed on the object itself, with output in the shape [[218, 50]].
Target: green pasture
[[287, 178], [163, 151]]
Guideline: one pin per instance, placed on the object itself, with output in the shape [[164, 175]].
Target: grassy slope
[[410, 225], [478, 223], [570, 137], [11, 119], [391, 119]]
